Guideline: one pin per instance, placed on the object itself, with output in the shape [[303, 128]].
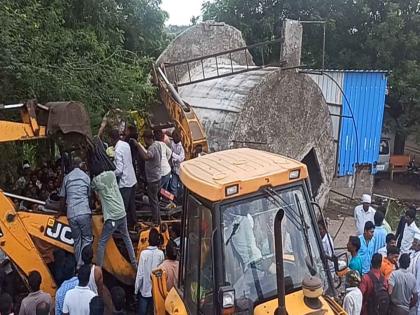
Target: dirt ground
[[396, 190], [340, 215]]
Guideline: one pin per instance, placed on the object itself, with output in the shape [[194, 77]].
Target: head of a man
[[159, 135], [26, 168], [6, 303], [34, 280], [378, 218], [369, 230], [393, 253], [416, 242], [42, 308], [114, 137], [148, 137], [87, 254], [96, 306], [391, 240], [118, 298], [404, 261], [376, 261], [322, 228], [77, 162], [155, 239], [366, 201], [83, 275], [410, 216], [131, 133], [353, 245], [171, 250], [175, 230], [353, 279], [69, 268], [176, 136]]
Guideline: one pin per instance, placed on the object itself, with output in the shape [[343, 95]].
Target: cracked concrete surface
[[280, 111]]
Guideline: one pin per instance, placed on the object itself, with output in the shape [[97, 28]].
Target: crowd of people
[[41, 183], [81, 289], [112, 186], [384, 276]]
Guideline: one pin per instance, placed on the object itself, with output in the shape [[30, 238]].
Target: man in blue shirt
[[71, 281], [353, 246], [367, 242], [380, 232], [75, 193]]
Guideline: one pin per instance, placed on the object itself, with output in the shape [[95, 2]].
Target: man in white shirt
[[327, 244], [165, 168], [243, 240], [77, 300], [126, 176], [410, 230], [178, 156], [150, 258], [363, 213], [353, 300], [240, 236]]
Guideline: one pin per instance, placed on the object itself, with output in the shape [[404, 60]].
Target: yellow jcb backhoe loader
[[249, 245]]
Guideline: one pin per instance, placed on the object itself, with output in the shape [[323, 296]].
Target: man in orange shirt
[[389, 263]]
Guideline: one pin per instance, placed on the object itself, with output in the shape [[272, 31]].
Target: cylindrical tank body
[[281, 111]]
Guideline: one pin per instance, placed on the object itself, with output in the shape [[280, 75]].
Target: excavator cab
[[250, 243]]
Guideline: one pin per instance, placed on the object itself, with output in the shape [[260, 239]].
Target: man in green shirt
[[115, 217], [353, 247]]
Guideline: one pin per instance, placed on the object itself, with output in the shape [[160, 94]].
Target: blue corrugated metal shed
[[361, 122]]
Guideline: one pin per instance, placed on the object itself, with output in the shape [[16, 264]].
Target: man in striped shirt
[[70, 283]]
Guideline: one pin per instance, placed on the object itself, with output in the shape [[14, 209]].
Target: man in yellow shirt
[[389, 262]]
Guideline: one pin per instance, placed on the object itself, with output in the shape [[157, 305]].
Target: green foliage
[[174, 30], [365, 34], [96, 52]]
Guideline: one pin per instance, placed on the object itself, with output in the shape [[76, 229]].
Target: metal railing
[[172, 69]]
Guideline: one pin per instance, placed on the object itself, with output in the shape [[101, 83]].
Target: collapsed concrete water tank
[[281, 111]]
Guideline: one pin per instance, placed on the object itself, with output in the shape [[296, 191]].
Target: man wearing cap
[[24, 179], [363, 213], [410, 230], [353, 300]]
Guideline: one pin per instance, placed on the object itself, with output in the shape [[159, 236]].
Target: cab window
[[198, 286]]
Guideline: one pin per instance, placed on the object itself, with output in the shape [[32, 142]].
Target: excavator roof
[[237, 172]]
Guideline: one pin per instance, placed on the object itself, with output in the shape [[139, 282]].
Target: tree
[[81, 50]]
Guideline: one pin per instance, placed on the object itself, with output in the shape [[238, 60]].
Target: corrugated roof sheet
[[329, 87], [359, 97], [360, 135]]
